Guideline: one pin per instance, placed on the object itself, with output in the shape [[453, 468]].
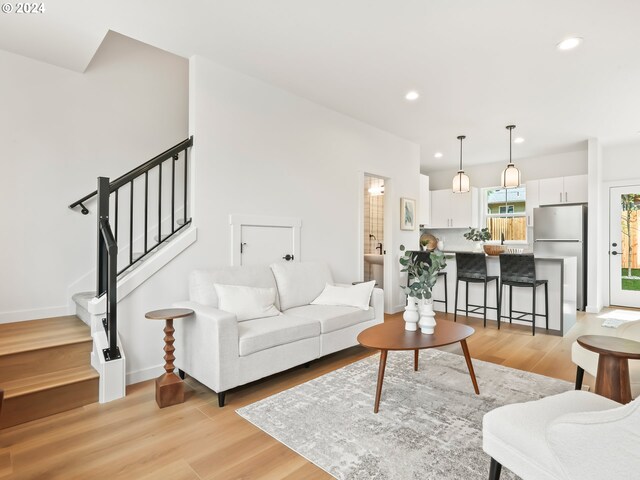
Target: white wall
[[261, 150], [535, 168], [60, 130]]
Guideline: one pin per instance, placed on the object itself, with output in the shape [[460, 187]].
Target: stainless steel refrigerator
[[562, 230]]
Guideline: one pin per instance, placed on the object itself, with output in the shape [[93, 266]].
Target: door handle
[[560, 197], [242, 245], [288, 257], [566, 197]]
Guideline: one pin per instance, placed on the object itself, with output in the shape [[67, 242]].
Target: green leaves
[[478, 235], [423, 276]]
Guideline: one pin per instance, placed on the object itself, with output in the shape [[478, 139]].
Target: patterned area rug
[[429, 425]]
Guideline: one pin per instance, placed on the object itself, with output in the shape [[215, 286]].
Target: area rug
[[429, 425]]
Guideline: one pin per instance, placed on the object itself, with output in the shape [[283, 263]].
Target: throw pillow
[[247, 302], [350, 295]]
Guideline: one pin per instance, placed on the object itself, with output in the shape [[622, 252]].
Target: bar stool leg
[[485, 304], [455, 307], [546, 304], [533, 315], [510, 303], [466, 293], [499, 288], [446, 295], [498, 303]]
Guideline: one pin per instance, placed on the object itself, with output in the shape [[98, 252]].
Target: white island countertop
[[560, 272]]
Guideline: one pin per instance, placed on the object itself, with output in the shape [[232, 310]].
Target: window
[[505, 213]]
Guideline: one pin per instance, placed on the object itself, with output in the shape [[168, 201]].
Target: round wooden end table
[[612, 379], [392, 336], [169, 387]]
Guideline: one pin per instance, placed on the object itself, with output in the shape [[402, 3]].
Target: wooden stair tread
[[36, 383], [38, 334]]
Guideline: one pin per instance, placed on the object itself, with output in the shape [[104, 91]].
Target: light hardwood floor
[[132, 439]]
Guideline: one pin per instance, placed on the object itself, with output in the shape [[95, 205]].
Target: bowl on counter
[[493, 250]]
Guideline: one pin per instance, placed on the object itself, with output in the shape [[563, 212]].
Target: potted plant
[[478, 235], [423, 276]]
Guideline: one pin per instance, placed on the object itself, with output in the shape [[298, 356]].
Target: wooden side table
[[169, 387], [612, 379]]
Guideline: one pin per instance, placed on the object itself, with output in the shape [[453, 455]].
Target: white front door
[[264, 245], [624, 251]]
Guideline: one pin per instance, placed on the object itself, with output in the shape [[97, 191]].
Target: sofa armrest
[[377, 302], [208, 346], [630, 330]]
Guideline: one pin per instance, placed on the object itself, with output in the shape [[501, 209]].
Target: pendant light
[[510, 175], [461, 180]]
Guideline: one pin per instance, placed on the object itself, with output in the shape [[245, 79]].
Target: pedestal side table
[[169, 387]]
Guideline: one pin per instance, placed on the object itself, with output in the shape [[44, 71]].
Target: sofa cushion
[[264, 333], [247, 303], [357, 296], [300, 283], [332, 317], [202, 291]]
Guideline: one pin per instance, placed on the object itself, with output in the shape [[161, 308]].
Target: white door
[[264, 245], [624, 251], [551, 191]]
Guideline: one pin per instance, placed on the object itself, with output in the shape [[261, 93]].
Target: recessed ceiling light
[[518, 140], [569, 43], [412, 95], [438, 155]]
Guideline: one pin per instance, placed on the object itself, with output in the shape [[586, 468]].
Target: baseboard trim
[[35, 314], [592, 309], [145, 374]]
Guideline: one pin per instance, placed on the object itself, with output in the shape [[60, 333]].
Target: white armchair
[[586, 360], [570, 436]]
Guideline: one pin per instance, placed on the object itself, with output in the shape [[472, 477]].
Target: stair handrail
[[136, 172], [107, 271]]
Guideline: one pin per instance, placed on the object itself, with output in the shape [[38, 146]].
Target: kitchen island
[[561, 273]]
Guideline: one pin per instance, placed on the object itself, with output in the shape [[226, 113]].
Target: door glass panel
[[630, 229]]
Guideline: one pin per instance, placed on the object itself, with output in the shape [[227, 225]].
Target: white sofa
[[223, 353]]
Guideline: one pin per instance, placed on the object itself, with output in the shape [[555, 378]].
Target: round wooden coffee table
[[612, 379], [392, 336]]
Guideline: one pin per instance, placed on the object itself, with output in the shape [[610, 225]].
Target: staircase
[[45, 368]]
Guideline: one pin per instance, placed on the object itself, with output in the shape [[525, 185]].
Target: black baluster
[[116, 215], [146, 208], [185, 187], [159, 204], [173, 193], [131, 224]]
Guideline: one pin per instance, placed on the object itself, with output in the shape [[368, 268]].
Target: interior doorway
[[624, 251], [373, 224]]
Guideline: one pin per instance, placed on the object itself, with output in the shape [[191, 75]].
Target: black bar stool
[[426, 258], [517, 270], [472, 268]]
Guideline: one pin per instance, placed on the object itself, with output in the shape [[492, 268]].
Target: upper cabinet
[[454, 210], [532, 199], [555, 191], [424, 208]]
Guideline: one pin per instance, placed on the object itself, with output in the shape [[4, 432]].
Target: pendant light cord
[[460, 153]]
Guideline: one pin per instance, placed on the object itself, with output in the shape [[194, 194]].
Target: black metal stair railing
[[109, 199]]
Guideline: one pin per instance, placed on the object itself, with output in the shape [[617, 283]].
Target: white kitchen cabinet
[[576, 189], [424, 208], [559, 190], [532, 199], [454, 210], [441, 208]]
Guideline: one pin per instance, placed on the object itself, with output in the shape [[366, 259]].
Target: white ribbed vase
[[427, 317], [411, 315]]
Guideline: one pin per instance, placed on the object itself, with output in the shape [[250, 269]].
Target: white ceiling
[[478, 65]]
